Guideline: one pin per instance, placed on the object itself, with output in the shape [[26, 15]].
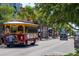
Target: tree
[[62, 13], [54, 15], [58, 15], [6, 12], [26, 13]]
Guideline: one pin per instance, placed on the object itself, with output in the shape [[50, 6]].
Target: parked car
[[63, 34]]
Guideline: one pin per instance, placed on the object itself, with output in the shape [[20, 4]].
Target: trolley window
[[35, 30], [1, 28], [7, 29], [13, 29], [20, 28], [32, 30], [26, 30]]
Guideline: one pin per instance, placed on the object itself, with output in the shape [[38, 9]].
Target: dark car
[[63, 37]]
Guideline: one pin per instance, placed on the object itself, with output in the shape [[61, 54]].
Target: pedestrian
[[10, 40], [21, 38], [39, 35]]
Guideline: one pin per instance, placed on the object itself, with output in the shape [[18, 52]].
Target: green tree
[[29, 12], [26, 13], [58, 15], [6, 12], [61, 13]]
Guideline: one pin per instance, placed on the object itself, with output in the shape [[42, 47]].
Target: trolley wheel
[[9, 45], [33, 42]]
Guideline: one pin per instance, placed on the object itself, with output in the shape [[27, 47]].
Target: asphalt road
[[42, 48]]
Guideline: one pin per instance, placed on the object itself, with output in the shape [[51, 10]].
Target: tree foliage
[[59, 14], [55, 15], [26, 13], [6, 12]]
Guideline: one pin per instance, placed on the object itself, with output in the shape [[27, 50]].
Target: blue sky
[[30, 4]]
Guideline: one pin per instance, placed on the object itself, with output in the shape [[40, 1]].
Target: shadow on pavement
[[18, 46]]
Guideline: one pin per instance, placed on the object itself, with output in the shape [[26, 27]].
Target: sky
[[30, 4]]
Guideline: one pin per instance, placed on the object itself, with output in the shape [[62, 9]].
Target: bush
[[70, 54], [73, 54]]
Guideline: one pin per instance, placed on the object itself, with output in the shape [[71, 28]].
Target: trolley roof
[[18, 22]]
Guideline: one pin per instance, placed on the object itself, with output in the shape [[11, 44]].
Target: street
[[42, 48]]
